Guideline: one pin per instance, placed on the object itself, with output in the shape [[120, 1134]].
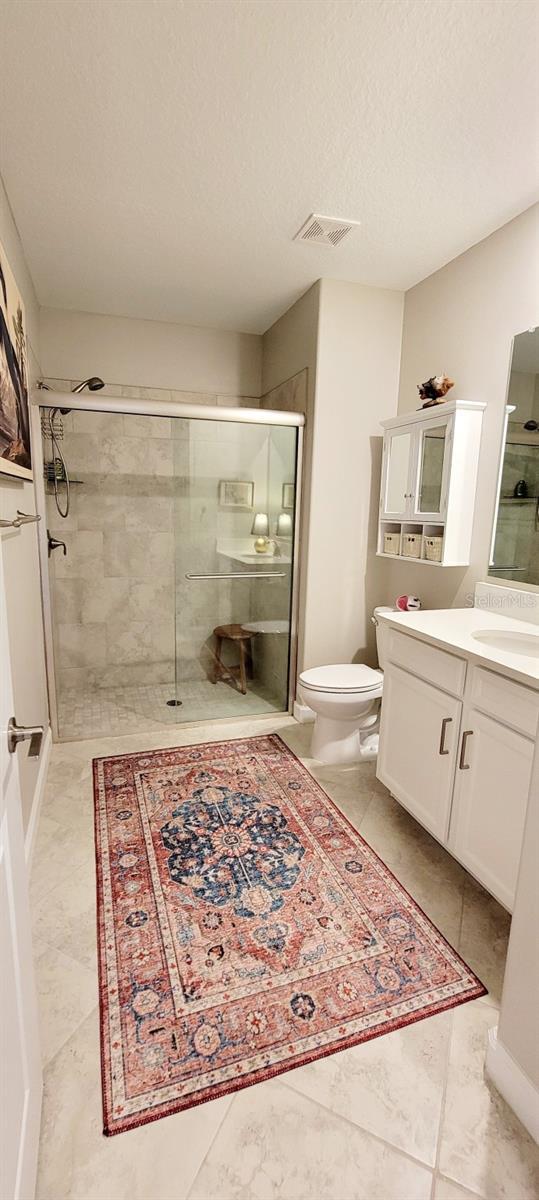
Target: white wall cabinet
[[456, 748], [429, 478]]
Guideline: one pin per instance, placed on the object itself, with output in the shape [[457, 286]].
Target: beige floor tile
[[399, 839], [66, 918], [483, 1145], [392, 1086], [153, 1162], [277, 1145], [445, 1189], [59, 850], [484, 936], [67, 992]]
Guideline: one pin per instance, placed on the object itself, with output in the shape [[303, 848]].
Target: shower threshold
[[111, 712]]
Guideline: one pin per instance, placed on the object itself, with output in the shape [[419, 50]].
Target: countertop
[[452, 629]]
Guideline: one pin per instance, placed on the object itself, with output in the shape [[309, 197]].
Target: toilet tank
[[382, 632]]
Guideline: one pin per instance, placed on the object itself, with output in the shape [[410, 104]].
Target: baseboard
[[38, 798], [513, 1084], [303, 713]]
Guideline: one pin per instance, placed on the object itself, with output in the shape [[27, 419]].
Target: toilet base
[[343, 741]]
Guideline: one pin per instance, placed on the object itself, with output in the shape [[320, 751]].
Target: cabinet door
[[418, 747], [396, 473], [491, 795], [431, 470]]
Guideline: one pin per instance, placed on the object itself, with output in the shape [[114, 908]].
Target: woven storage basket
[[433, 548], [392, 543], [411, 545]]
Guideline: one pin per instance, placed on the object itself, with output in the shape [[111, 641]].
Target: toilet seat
[[341, 678]]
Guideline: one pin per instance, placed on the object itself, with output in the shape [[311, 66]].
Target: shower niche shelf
[[429, 480]]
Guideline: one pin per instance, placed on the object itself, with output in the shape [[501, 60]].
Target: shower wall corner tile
[[81, 645], [84, 559], [141, 426], [103, 599]]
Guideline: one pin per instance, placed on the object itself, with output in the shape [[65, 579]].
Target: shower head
[[94, 384]]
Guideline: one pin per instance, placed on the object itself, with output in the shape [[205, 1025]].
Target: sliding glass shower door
[[235, 495]]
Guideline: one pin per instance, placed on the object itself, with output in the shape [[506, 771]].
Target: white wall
[[359, 344], [151, 354], [19, 550], [349, 338], [461, 320]]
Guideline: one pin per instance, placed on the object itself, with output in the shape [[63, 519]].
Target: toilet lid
[[345, 677]]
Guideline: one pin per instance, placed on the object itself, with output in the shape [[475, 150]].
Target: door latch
[[24, 733]]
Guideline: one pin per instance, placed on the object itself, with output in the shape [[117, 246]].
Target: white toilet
[[345, 698]]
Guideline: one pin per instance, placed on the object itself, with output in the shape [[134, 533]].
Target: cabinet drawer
[[436, 666], [512, 703]]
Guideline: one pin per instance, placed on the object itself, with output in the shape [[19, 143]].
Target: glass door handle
[[239, 575]]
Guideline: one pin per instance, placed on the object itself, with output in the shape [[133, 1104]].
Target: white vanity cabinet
[[490, 798], [417, 760], [429, 478], [456, 748]]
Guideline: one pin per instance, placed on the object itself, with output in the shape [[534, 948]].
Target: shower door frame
[[43, 398]]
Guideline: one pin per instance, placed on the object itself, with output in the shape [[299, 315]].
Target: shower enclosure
[[182, 522]]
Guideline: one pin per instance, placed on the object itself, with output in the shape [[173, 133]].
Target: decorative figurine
[[434, 390]]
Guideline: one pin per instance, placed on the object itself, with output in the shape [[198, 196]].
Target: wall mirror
[[515, 542], [431, 468]]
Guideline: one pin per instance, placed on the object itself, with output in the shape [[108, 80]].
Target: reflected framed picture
[[236, 493], [15, 458], [288, 495]]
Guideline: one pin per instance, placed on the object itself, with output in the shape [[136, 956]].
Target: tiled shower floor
[[109, 712]]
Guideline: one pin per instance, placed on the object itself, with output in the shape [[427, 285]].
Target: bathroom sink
[[510, 641]]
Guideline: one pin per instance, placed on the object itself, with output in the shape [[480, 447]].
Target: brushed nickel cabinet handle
[[446, 721], [464, 766]]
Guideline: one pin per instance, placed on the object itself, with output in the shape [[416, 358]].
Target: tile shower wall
[[113, 593]]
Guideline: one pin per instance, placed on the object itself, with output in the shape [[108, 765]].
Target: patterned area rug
[[245, 928]]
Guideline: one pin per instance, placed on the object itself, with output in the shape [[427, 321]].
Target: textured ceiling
[[160, 156]]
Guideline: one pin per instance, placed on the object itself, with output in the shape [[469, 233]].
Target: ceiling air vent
[[327, 231]]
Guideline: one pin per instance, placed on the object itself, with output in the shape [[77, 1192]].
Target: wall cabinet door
[[491, 794], [431, 470], [418, 747], [399, 447]]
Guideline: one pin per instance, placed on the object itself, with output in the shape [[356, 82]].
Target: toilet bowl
[[345, 698]]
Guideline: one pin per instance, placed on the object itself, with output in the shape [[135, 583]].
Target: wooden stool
[[234, 633]]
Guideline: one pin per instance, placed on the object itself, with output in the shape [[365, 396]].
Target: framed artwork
[[15, 458], [288, 495], [236, 493]]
